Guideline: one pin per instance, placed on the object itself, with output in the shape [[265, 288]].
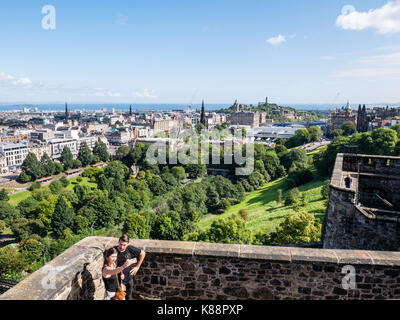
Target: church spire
[[203, 114], [66, 111]]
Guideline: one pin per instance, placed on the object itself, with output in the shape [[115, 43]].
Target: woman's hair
[[108, 253]]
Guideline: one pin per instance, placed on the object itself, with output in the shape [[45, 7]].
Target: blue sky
[[164, 51]]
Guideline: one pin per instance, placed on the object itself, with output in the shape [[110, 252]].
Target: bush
[[3, 226], [301, 228], [65, 182], [4, 195], [292, 197], [34, 186], [31, 249], [11, 261], [300, 177], [244, 214], [24, 178], [55, 187], [325, 189], [79, 179]]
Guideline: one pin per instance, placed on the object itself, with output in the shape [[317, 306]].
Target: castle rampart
[[190, 271]]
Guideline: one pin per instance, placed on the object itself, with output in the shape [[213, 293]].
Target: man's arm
[[137, 267]]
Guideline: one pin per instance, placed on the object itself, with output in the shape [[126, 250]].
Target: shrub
[[65, 182], [244, 214], [325, 189], [300, 177], [34, 186], [292, 197], [55, 187]]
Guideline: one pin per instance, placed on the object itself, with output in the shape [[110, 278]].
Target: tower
[[130, 110], [266, 101], [203, 114], [66, 111]]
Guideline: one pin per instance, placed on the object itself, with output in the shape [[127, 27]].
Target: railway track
[[6, 284]]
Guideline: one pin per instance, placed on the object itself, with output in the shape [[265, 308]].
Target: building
[[14, 138], [57, 146], [39, 149], [340, 116], [14, 153], [251, 119]]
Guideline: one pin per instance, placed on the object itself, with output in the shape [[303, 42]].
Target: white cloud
[[100, 92], [276, 41], [7, 80], [122, 21], [377, 67], [145, 94], [385, 19]]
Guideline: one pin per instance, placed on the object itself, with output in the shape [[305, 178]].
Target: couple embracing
[[121, 263]]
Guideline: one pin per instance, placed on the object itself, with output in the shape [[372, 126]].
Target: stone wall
[[348, 224], [190, 271]]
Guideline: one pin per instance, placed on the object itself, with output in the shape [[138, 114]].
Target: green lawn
[[17, 198], [265, 214]]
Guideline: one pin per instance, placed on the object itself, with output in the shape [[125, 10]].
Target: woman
[[110, 272]]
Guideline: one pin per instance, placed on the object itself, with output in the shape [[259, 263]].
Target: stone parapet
[[190, 270]]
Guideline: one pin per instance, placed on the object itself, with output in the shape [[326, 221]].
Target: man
[[128, 252], [348, 180]]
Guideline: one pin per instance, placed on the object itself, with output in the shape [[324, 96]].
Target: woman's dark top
[[111, 283]]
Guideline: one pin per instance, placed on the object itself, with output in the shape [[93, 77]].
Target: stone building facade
[[366, 215]]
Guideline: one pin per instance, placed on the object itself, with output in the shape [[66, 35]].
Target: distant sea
[[164, 107]]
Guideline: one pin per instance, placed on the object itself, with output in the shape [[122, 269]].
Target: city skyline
[[169, 52]]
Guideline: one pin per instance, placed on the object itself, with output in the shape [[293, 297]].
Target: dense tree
[[27, 206], [81, 224], [63, 217], [301, 228], [55, 186], [157, 185], [326, 160], [396, 128], [31, 249], [48, 165], [84, 154], [122, 152], [166, 226], [178, 172], [7, 212], [3, 226], [384, 141], [64, 181], [23, 228], [348, 128], [315, 133], [32, 167], [302, 136], [293, 157], [4, 195], [116, 170], [24, 178], [45, 210], [100, 150], [300, 177], [136, 226], [228, 230], [196, 170], [67, 158], [11, 261]]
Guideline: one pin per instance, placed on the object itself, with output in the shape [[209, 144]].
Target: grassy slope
[[265, 214], [17, 198]]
